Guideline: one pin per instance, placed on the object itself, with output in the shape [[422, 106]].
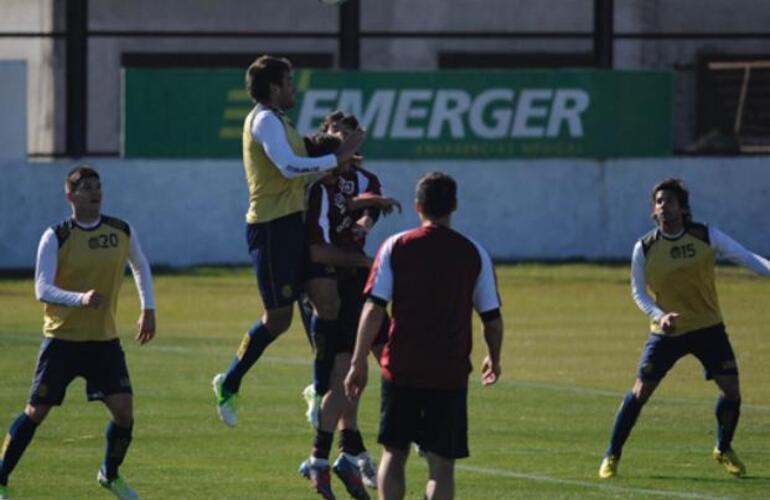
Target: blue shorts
[[277, 249], [102, 364], [710, 345], [435, 419]]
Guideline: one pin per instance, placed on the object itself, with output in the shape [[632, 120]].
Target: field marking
[[585, 484], [297, 360]]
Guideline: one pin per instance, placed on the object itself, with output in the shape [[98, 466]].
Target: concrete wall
[[192, 212]]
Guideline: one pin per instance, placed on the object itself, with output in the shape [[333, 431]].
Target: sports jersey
[[73, 259], [328, 219], [676, 274], [275, 162], [434, 277]]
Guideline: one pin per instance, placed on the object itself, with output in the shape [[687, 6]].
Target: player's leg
[[325, 299], [53, 373], [715, 353], [660, 354], [18, 437], [443, 437], [108, 380], [441, 480], [276, 250], [332, 406], [401, 411], [119, 432], [351, 440]]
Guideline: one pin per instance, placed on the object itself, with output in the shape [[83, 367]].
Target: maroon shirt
[[328, 219], [435, 277]]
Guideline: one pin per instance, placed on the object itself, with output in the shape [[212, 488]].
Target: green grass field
[[573, 339]]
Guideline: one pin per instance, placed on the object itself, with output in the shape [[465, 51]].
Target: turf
[[573, 339]]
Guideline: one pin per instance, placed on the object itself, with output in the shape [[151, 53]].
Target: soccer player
[[79, 271], [277, 167], [434, 277], [672, 281], [337, 271]]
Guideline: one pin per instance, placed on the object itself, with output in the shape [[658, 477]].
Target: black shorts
[[435, 419], [350, 286], [277, 249], [102, 364], [710, 345]]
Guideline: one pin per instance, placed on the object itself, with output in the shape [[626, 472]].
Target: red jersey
[[435, 277], [328, 219]]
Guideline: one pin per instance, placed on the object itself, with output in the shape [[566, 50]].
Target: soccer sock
[[19, 435], [253, 345], [727, 412], [323, 331], [624, 422], [118, 440], [322, 444], [351, 442]]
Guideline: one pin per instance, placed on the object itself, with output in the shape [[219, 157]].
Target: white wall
[[191, 212]]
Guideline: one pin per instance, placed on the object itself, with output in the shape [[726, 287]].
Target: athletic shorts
[[350, 286], [710, 345], [102, 364], [277, 249], [435, 419]]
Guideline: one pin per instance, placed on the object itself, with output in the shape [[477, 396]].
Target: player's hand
[[667, 322], [388, 204], [490, 371], [355, 381], [348, 148], [145, 327], [359, 232], [92, 298]]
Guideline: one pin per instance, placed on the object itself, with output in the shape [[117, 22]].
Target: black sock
[[624, 422], [351, 442], [19, 435], [118, 441], [323, 331], [253, 345], [727, 413], [322, 444]]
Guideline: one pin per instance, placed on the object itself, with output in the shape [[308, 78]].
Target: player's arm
[[733, 251], [268, 130], [486, 300], [374, 201], [372, 316], [46, 266], [140, 269], [643, 299]]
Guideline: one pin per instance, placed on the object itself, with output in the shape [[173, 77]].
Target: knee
[[732, 392], [277, 321], [37, 413], [642, 390], [327, 307]]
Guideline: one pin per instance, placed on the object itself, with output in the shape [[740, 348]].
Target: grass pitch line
[[585, 484]]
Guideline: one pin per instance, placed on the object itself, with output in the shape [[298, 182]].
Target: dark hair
[[437, 194], [264, 71], [321, 144], [77, 174], [338, 116], [679, 189]]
